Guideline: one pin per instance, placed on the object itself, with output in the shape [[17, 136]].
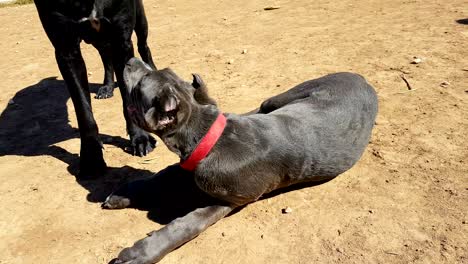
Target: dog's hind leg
[[181, 230], [141, 30], [298, 92], [107, 89]]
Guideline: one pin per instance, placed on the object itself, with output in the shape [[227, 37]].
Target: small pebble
[[90, 73], [222, 234], [271, 8], [444, 84], [231, 61], [244, 51], [17, 42], [416, 60], [287, 210]]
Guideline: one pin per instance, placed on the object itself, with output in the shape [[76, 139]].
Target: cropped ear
[[134, 70], [201, 92], [198, 82]]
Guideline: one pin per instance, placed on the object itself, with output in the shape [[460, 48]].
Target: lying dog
[[108, 25], [313, 132]]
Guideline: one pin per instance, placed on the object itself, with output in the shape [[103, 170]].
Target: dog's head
[[160, 101]]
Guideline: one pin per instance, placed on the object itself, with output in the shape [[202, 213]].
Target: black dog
[[313, 132], [108, 25]]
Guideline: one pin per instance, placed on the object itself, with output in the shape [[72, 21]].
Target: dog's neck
[[186, 138]]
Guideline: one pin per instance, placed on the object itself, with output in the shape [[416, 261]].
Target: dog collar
[[206, 144]]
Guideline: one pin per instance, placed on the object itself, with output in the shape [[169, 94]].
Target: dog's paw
[[105, 91], [115, 202], [92, 163], [142, 144], [139, 253], [268, 106]]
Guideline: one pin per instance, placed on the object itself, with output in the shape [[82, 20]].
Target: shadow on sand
[[36, 118]]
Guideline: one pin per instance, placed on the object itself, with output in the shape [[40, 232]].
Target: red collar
[[205, 145]]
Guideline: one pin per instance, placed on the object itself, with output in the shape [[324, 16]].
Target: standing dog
[[108, 25], [313, 132]]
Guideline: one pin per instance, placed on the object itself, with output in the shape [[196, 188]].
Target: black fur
[[108, 25], [313, 132]]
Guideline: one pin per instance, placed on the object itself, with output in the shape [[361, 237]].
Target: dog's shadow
[[172, 193], [36, 119]]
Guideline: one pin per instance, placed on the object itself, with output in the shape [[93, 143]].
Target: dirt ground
[[406, 201]]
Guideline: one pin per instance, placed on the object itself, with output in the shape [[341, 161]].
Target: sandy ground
[[406, 201]]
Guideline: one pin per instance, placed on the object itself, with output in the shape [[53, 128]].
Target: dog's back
[[333, 124], [318, 136]]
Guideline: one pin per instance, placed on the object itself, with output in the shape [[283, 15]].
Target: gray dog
[[313, 132]]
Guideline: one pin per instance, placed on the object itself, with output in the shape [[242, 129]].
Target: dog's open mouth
[[168, 118]]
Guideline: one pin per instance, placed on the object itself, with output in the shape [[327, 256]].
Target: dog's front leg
[[181, 230], [73, 70], [62, 33], [122, 49]]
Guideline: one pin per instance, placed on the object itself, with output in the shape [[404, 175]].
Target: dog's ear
[[197, 82], [134, 70], [201, 92]]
